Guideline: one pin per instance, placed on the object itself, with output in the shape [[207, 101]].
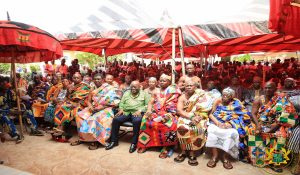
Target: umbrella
[[22, 43]]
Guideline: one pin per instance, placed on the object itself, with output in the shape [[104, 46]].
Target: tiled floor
[[41, 155]]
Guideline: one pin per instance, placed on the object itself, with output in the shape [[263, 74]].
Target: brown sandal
[[227, 165], [193, 161], [180, 158], [77, 142], [93, 146], [211, 163], [141, 150]]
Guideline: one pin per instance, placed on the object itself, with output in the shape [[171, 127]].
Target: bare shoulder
[[182, 97]]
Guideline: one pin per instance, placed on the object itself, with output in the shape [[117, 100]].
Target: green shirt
[[130, 104]]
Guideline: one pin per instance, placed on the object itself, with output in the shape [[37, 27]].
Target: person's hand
[[165, 119], [228, 125], [121, 112], [74, 105], [91, 108], [137, 114], [196, 120], [221, 125], [70, 88], [54, 101], [148, 115], [258, 129]]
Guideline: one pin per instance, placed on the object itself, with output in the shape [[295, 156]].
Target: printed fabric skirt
[[191, 137], [49, 114], [94, 126], [64, 114], [268, 148], [154, 134]]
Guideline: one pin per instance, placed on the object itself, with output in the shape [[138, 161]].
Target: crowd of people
[[243, 111]]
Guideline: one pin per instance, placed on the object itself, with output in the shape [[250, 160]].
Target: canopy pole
[[206, 66], [105, 58], [181, 51], [264, 76], [173, 55], [16, 91]]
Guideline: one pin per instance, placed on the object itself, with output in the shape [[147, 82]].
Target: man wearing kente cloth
[[190, 70], [75, 101], [273, 115], [193, 107], [253, 92], [94, 122], [159, 124]]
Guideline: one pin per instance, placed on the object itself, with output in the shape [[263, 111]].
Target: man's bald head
[[109, 79], [190, 69], [270, 88], [135, 87], [190, 87]]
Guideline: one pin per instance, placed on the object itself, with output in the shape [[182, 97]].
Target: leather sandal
[[193, 161], [141, 150], [227, 165], [93, 146], [77, 142], [180, 158], [211, 163]]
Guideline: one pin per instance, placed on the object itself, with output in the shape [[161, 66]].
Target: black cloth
[[121, 119]]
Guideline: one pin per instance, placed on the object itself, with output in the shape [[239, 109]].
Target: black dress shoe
[[132, 148], [111, 145]]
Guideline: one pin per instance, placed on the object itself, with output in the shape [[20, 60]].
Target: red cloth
[[284, 18]]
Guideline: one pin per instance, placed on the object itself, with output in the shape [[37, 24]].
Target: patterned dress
[[271, 148], [63, 112], [154, 133], [192, 137], [229, 140], [97, 126]]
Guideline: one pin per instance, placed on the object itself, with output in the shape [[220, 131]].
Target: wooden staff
[[13, 66]]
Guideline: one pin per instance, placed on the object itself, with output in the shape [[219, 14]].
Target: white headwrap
[[228, 90]]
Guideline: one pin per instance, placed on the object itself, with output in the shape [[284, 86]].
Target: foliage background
[[91, 60]]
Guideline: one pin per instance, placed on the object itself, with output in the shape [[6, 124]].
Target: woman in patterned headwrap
[[159, 125], [227, 129]]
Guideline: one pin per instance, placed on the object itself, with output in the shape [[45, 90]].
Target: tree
[[92, 59], [5, 68], [242, 58], [35, 68]]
